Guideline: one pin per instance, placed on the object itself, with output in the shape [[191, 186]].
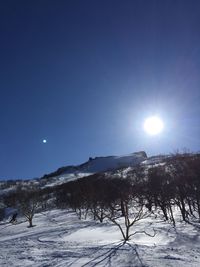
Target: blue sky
[[85, 74]]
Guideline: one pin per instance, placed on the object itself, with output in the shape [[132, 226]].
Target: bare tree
[[28, 203], [133, 212]]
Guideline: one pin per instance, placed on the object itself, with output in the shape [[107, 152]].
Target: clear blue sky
[[85, 74]]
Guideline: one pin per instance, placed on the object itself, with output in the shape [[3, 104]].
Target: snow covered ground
[[59, 238]]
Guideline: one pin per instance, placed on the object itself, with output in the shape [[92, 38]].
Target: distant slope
[[95, 165]]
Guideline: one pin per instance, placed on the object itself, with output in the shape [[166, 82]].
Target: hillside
[[94, 165], [139, 211]]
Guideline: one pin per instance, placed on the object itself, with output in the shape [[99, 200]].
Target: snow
[[59, 238], [98, 164], [58, 180], [113, 162]]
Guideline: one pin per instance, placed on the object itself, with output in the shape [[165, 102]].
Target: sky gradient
[[85, 74]]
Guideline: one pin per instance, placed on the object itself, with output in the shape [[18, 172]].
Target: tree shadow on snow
[[105, 258]]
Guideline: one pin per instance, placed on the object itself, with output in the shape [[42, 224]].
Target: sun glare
[[153, 125]]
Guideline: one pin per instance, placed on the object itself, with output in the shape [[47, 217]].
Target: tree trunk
[[30, 222], [171, 215], [127, 233], [122, 208]]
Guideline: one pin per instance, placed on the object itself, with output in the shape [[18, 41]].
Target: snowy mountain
[[95, 165], [92, 166]]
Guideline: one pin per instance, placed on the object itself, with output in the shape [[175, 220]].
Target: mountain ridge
[[100, 164]]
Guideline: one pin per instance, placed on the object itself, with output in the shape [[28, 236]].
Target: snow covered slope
[[101, 164], [69, 173], [60, 239], [94, 165]]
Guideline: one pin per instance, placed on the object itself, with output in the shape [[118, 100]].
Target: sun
[[153, 125]]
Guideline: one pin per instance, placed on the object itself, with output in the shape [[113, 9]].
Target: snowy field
[[59, 238]]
